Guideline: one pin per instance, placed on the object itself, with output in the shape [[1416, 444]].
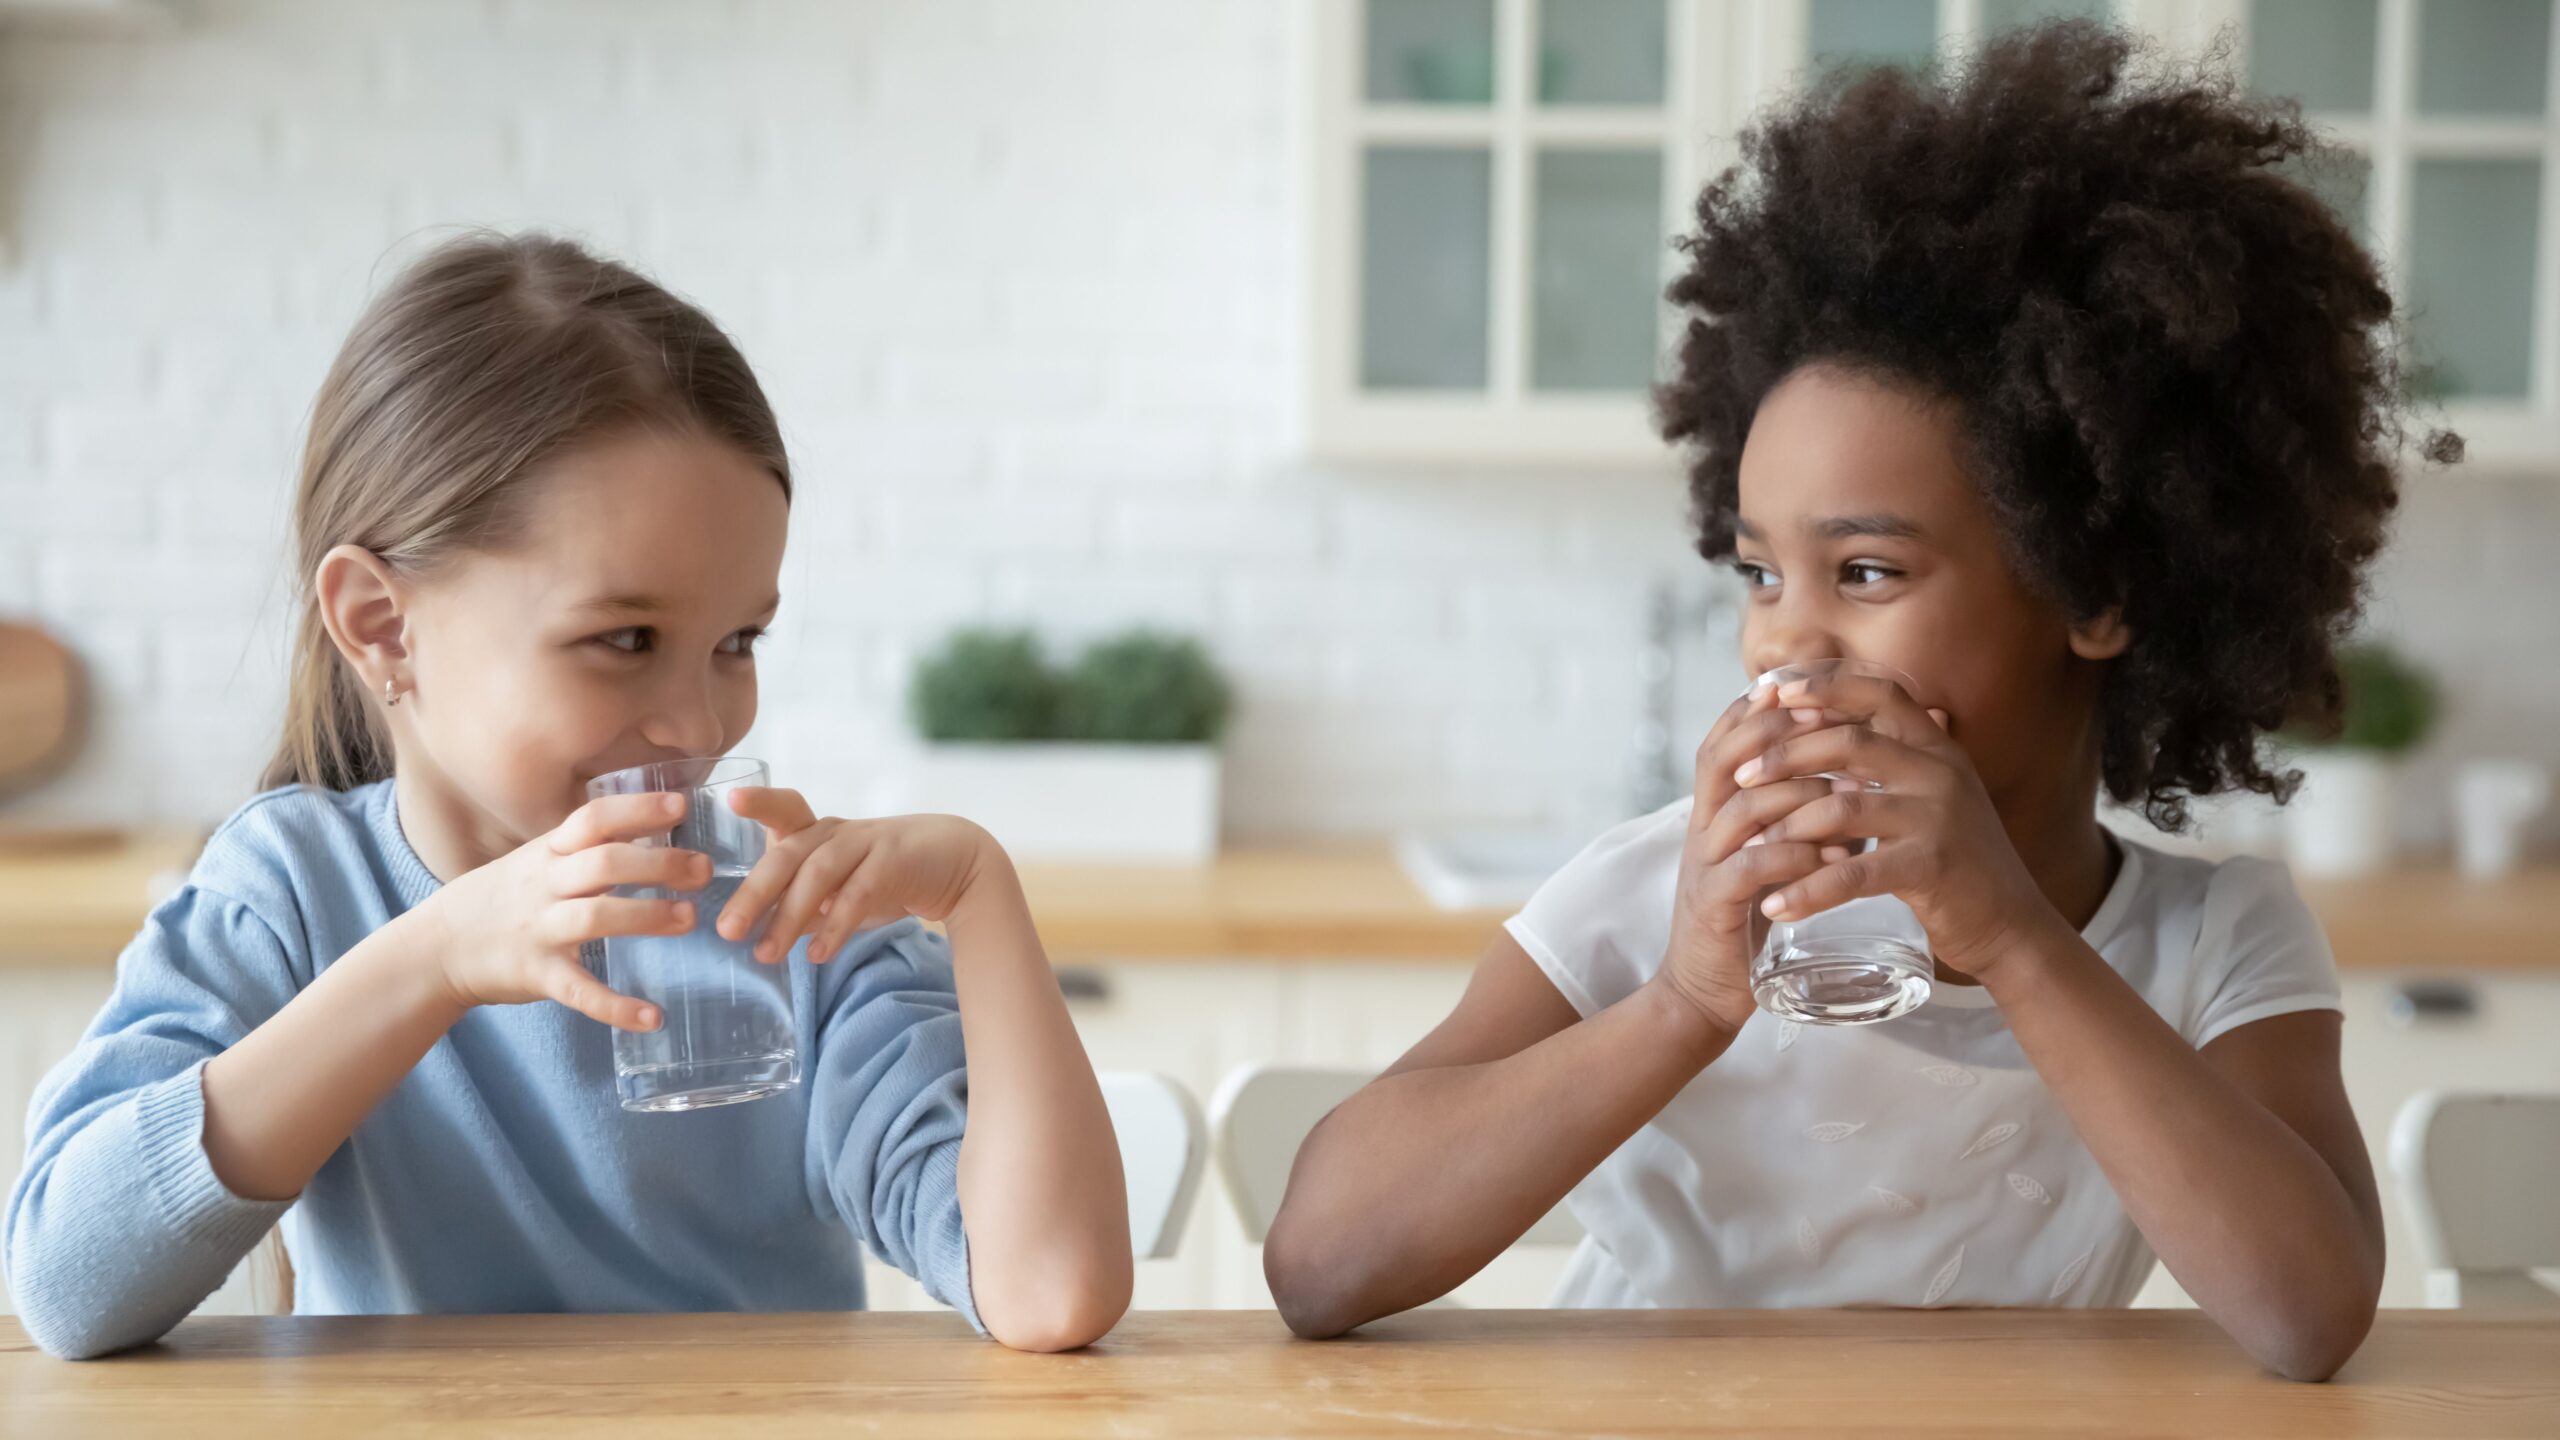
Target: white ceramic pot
[[1062, 800], [2340, 822]]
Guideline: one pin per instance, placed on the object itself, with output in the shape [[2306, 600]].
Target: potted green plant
[[1111, 757], [2340, 822]]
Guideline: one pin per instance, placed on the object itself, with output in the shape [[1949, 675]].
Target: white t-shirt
[[1919, 1161]]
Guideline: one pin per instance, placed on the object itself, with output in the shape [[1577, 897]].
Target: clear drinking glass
[[1855, 963], [726, 1034]]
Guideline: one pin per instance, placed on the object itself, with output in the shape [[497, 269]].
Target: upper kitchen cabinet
[[2447, 112], [1495, 185]]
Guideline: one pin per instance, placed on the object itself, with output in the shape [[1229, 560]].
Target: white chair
[[2479, 1174], [1164, 1145], [1263, 1113]]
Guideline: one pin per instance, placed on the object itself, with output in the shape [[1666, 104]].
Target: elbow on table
[[1315, 1296], [2312, 1348], [71, 1331], [1063, 1312]]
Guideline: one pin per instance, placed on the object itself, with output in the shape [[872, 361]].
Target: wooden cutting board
[[40, 706]]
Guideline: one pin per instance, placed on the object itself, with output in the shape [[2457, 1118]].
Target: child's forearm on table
[[1041, 1188], [2251, 1220]]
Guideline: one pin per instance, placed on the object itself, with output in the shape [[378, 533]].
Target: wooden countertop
[[1492, 1372], [1326, 903]]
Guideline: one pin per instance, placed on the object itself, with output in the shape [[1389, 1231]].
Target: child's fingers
[[1869, 755], [765, 883], [1755, 732], [1753, 811], [1756, 869], [822, 875], [594, 917], [609, 818], [1877, 872], [783, 812], [599, 868], [569, 984], [851, 909], [1857, 814], [1885, 706]]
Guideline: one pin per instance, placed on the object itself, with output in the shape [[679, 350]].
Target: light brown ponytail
[[489, 356]]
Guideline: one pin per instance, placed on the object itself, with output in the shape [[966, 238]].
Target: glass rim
[[1805, 669], [707, 772]]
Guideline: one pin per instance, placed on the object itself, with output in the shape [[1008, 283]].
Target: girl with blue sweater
[[540, 523]]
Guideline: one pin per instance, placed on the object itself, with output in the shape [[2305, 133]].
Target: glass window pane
[[2319, 52], [1425, 267], [1600, 52], [2341, 179], [2471, 255], [1597, 255], [1431, 52], [2483, 57], [1872, 32], [1999, 15]]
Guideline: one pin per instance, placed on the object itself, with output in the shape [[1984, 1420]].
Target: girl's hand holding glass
[[830, 877], [510, 931], [1729, 861], [1940, 844]]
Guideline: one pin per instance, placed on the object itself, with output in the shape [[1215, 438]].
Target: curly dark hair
[[2175, 369]]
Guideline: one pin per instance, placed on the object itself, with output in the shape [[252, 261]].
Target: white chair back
[[1263, 1113], [2478, 1174], [1164, 1145]]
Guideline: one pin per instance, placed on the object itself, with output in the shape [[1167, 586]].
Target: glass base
[[700, 1086], [1888, 981]]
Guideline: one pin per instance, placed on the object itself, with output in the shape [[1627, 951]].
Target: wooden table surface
[[1318, 902], [1438, 1373]]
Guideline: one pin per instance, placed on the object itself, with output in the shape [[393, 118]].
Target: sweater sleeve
[[118, 1227], [889, 1102]]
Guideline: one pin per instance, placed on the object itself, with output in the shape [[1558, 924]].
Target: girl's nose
[[1788, 641], [685, 721]]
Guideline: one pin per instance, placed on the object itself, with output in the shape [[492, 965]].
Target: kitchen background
[[1062, 307]]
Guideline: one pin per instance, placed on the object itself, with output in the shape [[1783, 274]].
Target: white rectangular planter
[[1070, 801]]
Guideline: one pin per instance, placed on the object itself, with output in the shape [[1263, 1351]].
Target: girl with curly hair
[[2040, 381]]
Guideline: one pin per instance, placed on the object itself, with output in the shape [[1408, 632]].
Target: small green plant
[[1144, 688], [1138, 687], [986, 686], [2390, 704]]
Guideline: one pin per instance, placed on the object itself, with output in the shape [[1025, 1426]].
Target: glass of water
[[1858, 962], [726, 1034]]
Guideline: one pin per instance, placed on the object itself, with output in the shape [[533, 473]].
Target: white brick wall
[[1020, 276]]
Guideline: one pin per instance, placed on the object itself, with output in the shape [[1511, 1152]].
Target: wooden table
[[1439, 1373]]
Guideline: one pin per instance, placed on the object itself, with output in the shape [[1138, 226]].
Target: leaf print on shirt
[[1997, 1135], [1945, 1279], [1832, 1132], [1806, 1240], [1953, 1076], [1787, 1030], [1894, 1201], [2029, 1187], [2070, 1275]]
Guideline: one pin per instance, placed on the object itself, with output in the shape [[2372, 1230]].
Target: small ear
[[2102, 636], [361, 603]]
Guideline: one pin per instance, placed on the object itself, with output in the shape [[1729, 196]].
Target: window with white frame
[[2449, 111], [1496, 185]]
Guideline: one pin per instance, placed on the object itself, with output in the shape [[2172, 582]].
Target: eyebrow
[[642, 604], [1845, 527]]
